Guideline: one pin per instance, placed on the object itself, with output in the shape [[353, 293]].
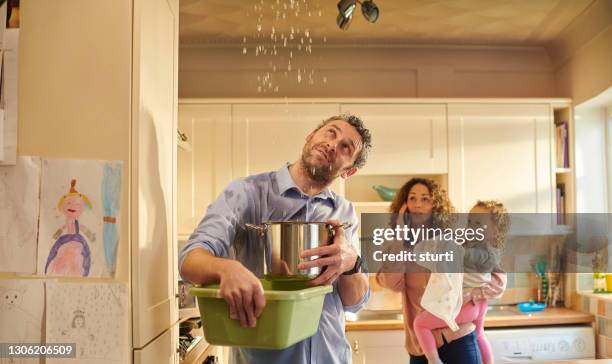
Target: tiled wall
[[521, 287], [601, 307]]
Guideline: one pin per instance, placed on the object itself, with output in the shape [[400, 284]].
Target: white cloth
[[443, 295]]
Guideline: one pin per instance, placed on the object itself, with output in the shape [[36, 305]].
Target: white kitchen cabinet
[[153, 182], [268, 135], [378, 347], [406, 138], [205, 170], [502, 152], [162, 350]]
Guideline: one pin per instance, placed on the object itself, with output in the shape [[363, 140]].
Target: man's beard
[[320, 174]]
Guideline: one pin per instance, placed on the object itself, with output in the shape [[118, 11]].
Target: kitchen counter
[[506, 316]]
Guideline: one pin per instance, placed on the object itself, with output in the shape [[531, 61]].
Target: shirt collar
[[285, 183]]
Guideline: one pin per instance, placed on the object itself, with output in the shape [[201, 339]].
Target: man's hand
[[243, 293], [337, 257]]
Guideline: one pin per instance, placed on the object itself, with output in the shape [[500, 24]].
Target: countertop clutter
[[498, 316]]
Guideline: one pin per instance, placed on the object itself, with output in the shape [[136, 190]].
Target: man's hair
[[366, 137]]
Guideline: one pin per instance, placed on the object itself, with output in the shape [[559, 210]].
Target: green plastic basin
[[292, 314]]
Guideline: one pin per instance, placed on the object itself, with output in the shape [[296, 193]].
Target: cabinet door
[[268, 135], [206, 169], [379, 347], [162, 350], [406, 139], [153, 169], [500, 152]]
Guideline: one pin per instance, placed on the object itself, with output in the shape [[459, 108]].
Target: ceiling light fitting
[[347, 7]]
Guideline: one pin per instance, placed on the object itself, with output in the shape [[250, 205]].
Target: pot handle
[[345, 225], [261, 229]]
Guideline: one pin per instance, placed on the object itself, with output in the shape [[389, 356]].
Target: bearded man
[[221, 250]]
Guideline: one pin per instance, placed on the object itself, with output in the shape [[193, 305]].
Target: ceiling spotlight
[[347, 7], [369, 10], [345, 15]]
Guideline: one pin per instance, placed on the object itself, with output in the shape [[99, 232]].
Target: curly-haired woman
[[423, 203]]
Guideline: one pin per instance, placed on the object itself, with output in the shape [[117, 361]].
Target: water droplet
[[320, 13], [273, 30], [292, 30], [283, 15], [290, 54], [259, 27], [324, 39], [307, 33], [274, 68], [289, 67], [244, 50], [310, 40], [324, 79], [302, 40], [291, 36], [244, 40], [285, 42], [309, 13]]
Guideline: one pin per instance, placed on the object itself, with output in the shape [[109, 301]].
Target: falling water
[[295, 40]]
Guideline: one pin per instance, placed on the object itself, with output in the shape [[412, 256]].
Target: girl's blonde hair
[[500, 218], [442, 212]]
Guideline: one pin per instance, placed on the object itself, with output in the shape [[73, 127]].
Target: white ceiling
[[481, 22]]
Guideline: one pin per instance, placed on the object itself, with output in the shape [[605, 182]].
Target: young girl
[[480, 259]]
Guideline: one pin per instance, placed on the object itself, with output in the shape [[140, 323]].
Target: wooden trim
[[391, 100]]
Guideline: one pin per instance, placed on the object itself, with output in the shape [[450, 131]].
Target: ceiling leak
[[279, 38]]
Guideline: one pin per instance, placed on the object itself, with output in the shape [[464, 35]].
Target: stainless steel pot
[[286, 240]]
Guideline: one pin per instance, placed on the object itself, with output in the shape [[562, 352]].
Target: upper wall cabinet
[[268, 135], [500, 152], [206, 169], [407, 138]]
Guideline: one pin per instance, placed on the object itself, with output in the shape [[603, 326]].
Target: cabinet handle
[[356, 346]]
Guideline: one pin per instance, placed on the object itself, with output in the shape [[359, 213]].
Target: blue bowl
[[531, 306]]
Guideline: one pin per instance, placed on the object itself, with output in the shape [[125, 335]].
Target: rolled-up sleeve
[[217, 229], [352, 235], [359, 305]]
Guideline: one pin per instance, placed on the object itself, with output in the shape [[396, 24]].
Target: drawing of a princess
[[70, 255]]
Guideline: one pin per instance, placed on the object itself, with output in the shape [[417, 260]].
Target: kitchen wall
[[70, 105], [582, 54], [592, 163], [373, 71]]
